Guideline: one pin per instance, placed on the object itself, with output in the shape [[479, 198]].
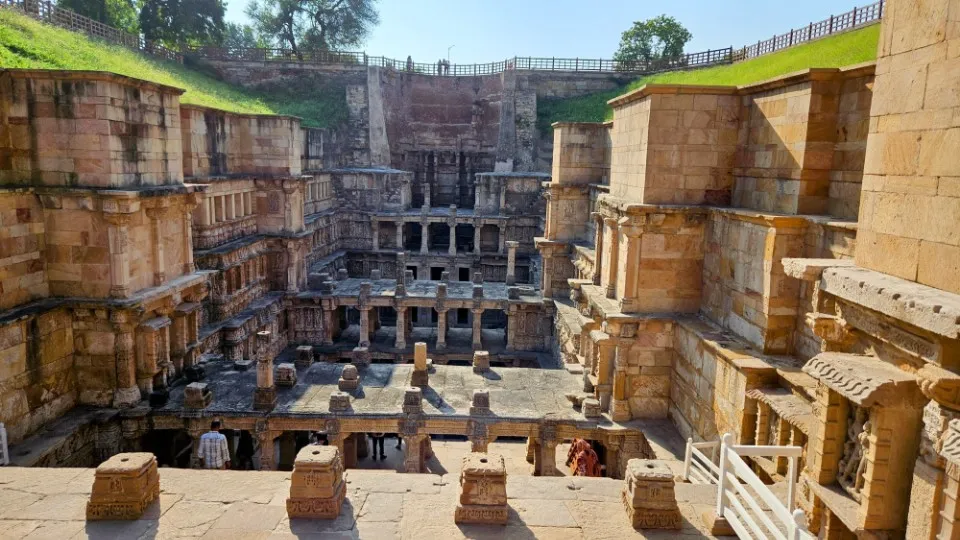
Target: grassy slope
[[26, 43], [841, 50]]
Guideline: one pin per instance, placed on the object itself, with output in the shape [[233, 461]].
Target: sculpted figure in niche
[[853, 463]]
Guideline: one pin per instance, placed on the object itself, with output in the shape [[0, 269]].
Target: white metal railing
[[698, 468], [741, 495], [4, 449]]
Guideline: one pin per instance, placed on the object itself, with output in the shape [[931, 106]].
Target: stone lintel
[[650, 89], [792, 408], [865, 380], [925, 307], [811, 269]]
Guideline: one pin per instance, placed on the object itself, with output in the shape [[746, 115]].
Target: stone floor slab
[[251, 517]]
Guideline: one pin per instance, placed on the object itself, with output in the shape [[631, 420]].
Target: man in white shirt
[[214, 452]]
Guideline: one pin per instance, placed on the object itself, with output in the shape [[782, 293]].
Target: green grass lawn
[[837, 51], [27, 43]]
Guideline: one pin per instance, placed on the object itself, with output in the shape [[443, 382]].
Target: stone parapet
[[89, 129]]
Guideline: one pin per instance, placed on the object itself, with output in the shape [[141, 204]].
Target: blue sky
[[489, 30]]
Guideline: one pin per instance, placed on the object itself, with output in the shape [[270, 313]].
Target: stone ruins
[[779, 261]]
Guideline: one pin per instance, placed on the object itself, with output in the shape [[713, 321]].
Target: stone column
[[632, 235], [614, 252], [545, 455], [441, 329], [126, 393], [502, 237], [364, 327], [477, 329], [375, 225], [400, 242], [156, 216], [267, 452], [401, 339], [426, 195], [620, 404], [597, 248], [206, 218], [231, 207], [413, 452], [476, 237], [192, 201], [424, 237], [265, 396], [452, 248], [327, 326], [293, 265], [604, 372], [511, 261], [511, 332], [119, 263]]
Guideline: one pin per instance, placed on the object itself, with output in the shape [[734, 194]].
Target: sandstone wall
[[581, 153], [23, 276], [37, 379], [89, 129], [910, 208], [745, 288]]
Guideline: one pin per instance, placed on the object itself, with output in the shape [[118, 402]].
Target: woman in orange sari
[[583, 461]]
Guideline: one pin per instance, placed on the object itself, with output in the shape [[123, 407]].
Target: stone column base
[[123, 487], [264, 399], [478, 513], [124, 398], [315, 508]]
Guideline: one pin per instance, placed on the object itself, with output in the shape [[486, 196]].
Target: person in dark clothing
[[399, 439], [378, 442]]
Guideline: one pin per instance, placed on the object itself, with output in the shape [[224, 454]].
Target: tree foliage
[[314, 24], [241, 36], [175, 22], [121, 14], [655, 39]]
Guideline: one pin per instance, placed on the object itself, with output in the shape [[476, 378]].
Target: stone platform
[[50, 503]]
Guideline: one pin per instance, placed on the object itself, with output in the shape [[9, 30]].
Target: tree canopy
[[655, 39], [314, 24], [190, 22]]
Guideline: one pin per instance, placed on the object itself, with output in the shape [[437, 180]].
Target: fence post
[[576, 65], [810, 32], [687, 457], [791, 36], [880, 10], [791, 482], [831, 25], [721, 488], [853, 19]]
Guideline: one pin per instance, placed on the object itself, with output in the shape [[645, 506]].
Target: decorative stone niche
[[868, 416]]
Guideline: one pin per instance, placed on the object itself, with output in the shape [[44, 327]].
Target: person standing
[[378, 442], [214, 452]]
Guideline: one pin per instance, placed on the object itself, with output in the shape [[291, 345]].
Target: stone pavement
[[244, 505]]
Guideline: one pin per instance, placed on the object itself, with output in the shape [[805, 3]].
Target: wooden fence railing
[[835, 24], [48, 12]]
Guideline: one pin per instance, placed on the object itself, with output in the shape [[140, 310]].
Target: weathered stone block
[[304, 356], [413, 401], [123, 487], [648, 495], [317, 489], [483, 490], [481, 402], [591, 408], [197, 396], [481, 361], [339, 402], [349, 378], [286, 375], [264, 399]]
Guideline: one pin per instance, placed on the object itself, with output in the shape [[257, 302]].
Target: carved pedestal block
[[483, 490], [317, 489], [197, 396], [481, 361], [339, 402], [264, 399], [123, 487], [591, 408], [286, 375], [361, 356], [648, 495], [481, 403], [242, 365], [420, 378], [304, 356], [413, 401], [349, 378]]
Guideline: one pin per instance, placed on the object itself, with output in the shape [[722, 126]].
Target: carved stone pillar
[[511, 261], [511, 328], [401, 339], [603, 369], [479, 437], [441, 329], [157, 216], [327, 326], [400, 244], [613, 253], [192, 201], [477, 329], [293, 266], [597, 247], [477, 225], [375, 225], [502, 238], [267, 452], [364, 326], [426, 194], [632, 235], [452, 247], [265, 397], [119, 263], [424, 236], [545, 456], [620, 404], [127, 393]]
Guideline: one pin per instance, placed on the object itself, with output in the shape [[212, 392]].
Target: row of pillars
[[405, 323], [451, 248]]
